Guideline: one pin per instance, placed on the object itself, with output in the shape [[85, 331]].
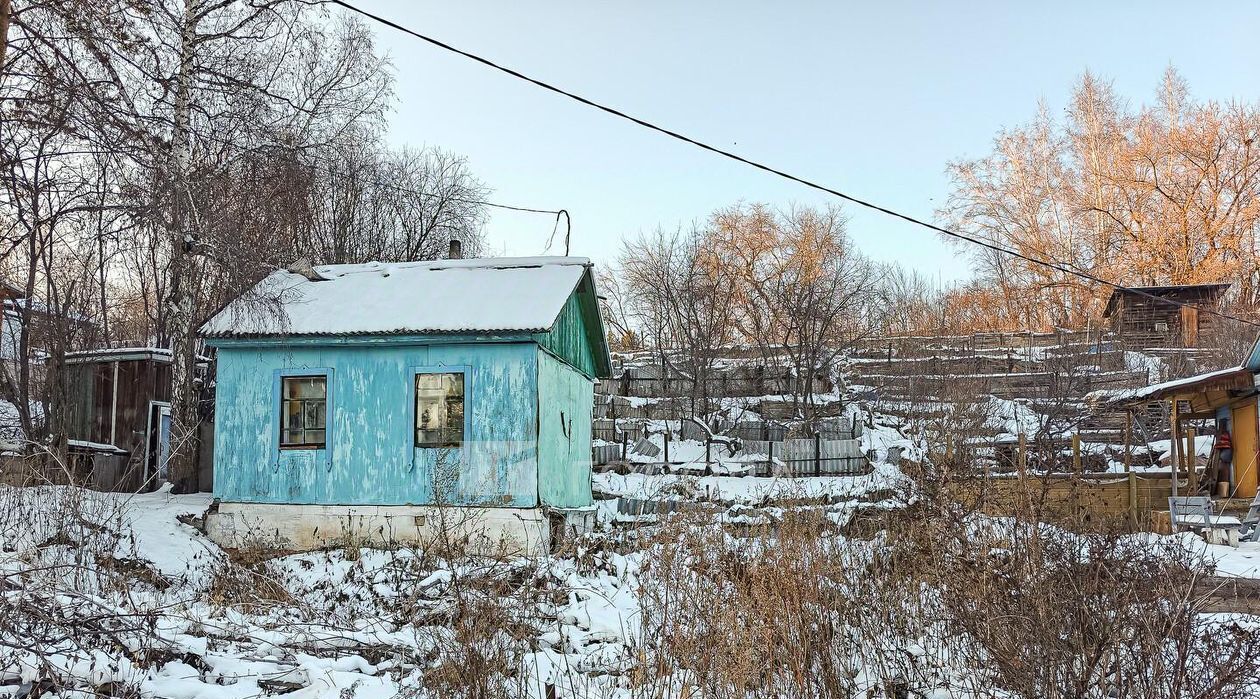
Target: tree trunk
[[5, 9], [180, 303]]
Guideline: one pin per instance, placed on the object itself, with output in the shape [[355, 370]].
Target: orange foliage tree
[[1163, 194]]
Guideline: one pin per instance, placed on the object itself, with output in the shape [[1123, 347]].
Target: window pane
[[439, 409], [313, 414], [292, 437], [293, 414], [311, 388], [315, 437], [455, 413], [304, 386], [427, 414]]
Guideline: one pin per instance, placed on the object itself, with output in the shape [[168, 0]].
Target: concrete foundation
[[486, 530]]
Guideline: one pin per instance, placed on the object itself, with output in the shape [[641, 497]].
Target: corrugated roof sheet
[[483, 295]]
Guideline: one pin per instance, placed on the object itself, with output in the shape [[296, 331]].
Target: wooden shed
[[121, 399], [1227, 396], [1156, 316]]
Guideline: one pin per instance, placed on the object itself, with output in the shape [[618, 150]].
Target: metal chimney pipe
[[457, 250]]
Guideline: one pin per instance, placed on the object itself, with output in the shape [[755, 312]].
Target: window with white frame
[[439, 409], [303, 412]]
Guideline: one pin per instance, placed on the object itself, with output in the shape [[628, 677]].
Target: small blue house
[[378, 401]]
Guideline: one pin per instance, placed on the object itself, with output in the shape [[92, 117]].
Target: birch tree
[[190, 94]]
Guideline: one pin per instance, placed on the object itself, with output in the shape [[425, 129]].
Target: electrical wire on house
[[558, 213], [1056, 265]]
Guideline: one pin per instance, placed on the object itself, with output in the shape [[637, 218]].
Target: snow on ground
[[333, 624], [1202, 447], [350, 622], [1149, 363], [11, 435], [1012, 418], [1240, 562]]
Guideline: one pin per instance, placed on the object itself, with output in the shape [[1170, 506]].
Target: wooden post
[[1192, 458], [667, 443], [1174, 458], [817, 454], [770, 464], [1133, 499], [1021, 455], [1128, 441], [1076, 474], [708, 451]]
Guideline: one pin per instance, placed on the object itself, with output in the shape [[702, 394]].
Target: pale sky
[[871, 98]]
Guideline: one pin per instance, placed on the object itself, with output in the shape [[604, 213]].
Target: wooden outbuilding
[[1163, 316], [121, 405]]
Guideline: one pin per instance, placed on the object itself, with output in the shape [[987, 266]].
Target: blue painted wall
[[370, 457], [565, 397]]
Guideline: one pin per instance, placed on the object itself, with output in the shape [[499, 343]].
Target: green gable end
[[577, 337]]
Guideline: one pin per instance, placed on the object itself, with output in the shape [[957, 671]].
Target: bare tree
[[207, 106], [372, 203], [807, 295], [683, 295], [51, 195], [4, 30]]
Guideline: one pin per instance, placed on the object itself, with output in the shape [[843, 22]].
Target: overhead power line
[[1049, 264], [329, 166], [568, 221]]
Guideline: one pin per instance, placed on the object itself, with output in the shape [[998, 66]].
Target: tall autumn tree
[[1166, 193]]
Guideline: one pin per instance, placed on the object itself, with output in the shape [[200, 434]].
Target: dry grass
[[245, 582]]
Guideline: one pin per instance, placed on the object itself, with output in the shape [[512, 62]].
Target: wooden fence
[[794, 458], [1074, 499]]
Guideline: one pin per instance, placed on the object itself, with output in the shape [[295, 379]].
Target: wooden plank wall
[[370, 456], [92, 410], [1135, 317], [1109, 498]]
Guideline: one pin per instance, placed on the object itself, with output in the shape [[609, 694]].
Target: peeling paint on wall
[[370, 456], [565, 398]]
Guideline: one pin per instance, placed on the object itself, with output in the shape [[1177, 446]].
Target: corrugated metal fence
[[811, 457]]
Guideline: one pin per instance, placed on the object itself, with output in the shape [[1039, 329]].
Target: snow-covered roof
[[1124, 395], [111, 354], [501, 294], [99, 447]]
